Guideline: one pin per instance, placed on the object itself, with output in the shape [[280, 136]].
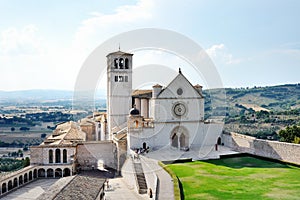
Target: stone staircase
[[140, 177]]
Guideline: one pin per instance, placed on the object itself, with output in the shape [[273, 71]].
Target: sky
[[43, 44]]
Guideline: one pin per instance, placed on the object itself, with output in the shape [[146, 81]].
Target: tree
[[12, 129], [290, 134], [26, 162]]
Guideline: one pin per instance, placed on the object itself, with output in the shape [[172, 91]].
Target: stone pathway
[[120, 191], [165, 188], [30, 191]]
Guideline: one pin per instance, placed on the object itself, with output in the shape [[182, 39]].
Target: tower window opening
[[121, 63], [126, 78], [116, 63], [126, 63], [116, 78], [121, 79]]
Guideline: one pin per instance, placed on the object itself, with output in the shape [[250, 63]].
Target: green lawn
[[238, 178]]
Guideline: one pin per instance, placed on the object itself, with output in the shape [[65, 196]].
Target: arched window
[[116, 63], [57, 156], [121, 63], [65, 156], [126, 63], [50, 156]]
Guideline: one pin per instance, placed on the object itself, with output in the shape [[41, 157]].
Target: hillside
[[258, 111]]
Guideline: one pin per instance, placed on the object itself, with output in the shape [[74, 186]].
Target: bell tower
[[119, 89]]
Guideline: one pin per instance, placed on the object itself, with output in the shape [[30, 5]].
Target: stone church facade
[[169, 118]]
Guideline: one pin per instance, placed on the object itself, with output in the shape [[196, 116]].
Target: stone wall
[[93, 155], [39, 155], [271, 149]]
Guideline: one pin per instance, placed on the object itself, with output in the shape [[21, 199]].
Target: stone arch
[[35, 173], [180, 138], [67, 172], [58, 173], [10, 185], [183, 140], [15, 182], [50, 173], [174, 140], [219, 141], [50, 156], [4, 189], [20, 180], [126, 63], [25, 178], [121, 63], [30, 175], [116, 63], [41, 172], [65, 156], [57, 155]]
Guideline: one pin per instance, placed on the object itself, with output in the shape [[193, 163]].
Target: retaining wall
[[283, 151]]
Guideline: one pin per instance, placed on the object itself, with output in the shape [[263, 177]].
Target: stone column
[[144, 108], [137, 103]]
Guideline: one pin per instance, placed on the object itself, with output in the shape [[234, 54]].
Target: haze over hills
[[276, 98]]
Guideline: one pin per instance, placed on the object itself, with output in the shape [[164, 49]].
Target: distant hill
[[271, 98], [36, 94]]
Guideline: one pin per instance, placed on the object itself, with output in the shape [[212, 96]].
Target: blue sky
[[44, 43]]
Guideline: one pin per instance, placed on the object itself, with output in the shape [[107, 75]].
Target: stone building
[[57, 153]]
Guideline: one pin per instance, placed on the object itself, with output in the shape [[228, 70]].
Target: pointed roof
[[180, 76]]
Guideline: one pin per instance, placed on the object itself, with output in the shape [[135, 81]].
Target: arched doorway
[[180, 138], [25, 178], [41, 173], [4, 189], [50, 173], [67, 172], [15, 182], [21, 180], [174, 140], [34, 173], [10, 185], [219, 141], [58, 173], [30, 175]]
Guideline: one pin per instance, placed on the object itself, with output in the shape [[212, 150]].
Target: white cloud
[[21, 42], [219, 53], [102, 26]]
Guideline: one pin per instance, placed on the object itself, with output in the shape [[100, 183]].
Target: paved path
[[31, 190], [119, 191], [165, 188]]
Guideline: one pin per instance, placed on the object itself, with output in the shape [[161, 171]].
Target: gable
[[180, 87]]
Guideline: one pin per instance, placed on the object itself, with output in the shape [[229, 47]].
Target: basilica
[[162, 119]]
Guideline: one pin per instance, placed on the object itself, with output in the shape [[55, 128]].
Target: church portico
[[179, 138]]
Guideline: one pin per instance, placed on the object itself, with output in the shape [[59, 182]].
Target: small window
[[126, 63], [121, 63], [116, 63], [126, 78], [116, 78], [50, 156], [121, 79]]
